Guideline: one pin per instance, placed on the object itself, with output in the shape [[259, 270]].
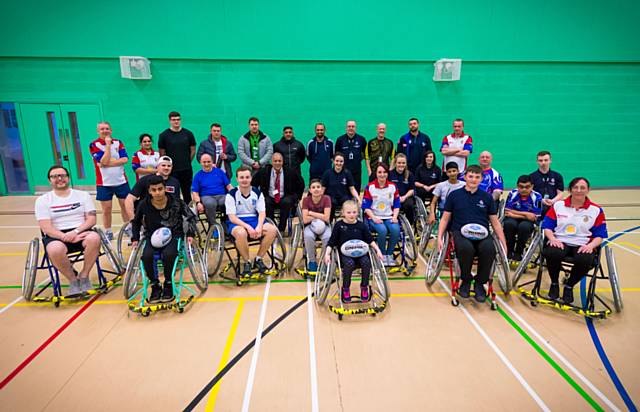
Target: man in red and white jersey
[[65, 217], [456, 147], [109, 158]]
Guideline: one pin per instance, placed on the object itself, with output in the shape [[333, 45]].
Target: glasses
[[60, 176]]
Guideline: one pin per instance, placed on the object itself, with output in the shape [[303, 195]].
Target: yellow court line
[[213, 395], [633, 245]]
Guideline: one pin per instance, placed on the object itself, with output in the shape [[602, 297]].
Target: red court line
[[46, 343]]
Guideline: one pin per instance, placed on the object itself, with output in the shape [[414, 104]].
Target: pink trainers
[[346, 295], [364, 293]]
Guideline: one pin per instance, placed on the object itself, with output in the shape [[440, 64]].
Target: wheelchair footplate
[[177, 304], [535, 299], [255, 276], [305, 274], [58, 298], [357, 306]]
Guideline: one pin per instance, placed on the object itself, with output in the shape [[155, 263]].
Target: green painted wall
[[478, 30], [587, 114]]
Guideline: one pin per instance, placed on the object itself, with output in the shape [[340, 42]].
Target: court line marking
[[256, 349], [500, 354], [624, 248], [46, 343], [313, 371], [16, 301], [213, 395], [633, 245], [553, 350]]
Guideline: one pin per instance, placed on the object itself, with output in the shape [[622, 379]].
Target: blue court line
[[596, 339]]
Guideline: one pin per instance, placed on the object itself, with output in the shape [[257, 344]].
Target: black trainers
[[480, 292], [517, 257], [554, 291], [246, 270], [167, 292], [464, 291], [259, 264], [567, 295], [156, 293]]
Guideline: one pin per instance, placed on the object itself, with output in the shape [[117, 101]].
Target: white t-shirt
[[64, 212], [218, 146], [443, 189], [250, 206]]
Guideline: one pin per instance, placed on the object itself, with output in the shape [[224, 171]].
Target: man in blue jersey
[[491, 179], [246, 213], [521, 212]]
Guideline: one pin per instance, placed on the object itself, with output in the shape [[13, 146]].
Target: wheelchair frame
[[137, 296], [31, 270], [328, 286]]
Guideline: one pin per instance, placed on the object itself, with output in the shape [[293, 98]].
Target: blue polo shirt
[[210, 184], [403, 185], [467, 207]]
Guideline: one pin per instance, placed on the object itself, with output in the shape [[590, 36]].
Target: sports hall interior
[[559, 76]]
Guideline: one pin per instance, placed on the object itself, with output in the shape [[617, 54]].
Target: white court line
[[37, 227], [256, 349], [19, 298], [624, 248], [14, 243], [558, 355], [312, 351], [500, 354]]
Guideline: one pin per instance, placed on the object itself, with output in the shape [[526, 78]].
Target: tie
[[277, 196]]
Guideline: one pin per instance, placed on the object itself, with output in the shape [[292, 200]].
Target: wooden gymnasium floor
[[420, 354]]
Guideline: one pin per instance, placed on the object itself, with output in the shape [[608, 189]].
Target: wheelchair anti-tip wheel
[[30, 269], [436, 260], [132, 281], [214, 249]]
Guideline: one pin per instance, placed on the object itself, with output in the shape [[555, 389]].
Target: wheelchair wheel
[[613, 279], [379, 277], [277, 250], [197, 266], [411, 249], [294, 244], [123, 244], [501, 206], [111, 254], [324, 278], [534, 245], [132, 279], [436, 260], [30, 269], [214, 249], [501, 266]]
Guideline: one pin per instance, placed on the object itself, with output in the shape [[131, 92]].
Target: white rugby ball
[[474, 231], [354, 248], [161, 237]]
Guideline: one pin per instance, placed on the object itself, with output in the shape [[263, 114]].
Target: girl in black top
[[427, 176], [405, 182], [350, 228], [155, 211]]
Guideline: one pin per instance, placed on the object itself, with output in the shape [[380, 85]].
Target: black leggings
[[185, 177], [522, 228], [582, 262], [349, 264], [467, 249], [168, 255], [409, 209]]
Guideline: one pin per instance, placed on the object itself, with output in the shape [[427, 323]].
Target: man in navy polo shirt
[[547, 182], [467, 214], [319, 153], [414, 145], [353, 146]]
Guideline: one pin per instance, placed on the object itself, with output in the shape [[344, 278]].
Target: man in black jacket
[[353, 147], [292, 151], [281, 187]]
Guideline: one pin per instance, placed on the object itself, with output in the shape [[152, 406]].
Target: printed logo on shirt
[[65, 208], [481, 204], [571, 229], [344, 181], [171, 189], [585, 219]]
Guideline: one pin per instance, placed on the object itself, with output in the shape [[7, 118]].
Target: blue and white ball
[[354, 248], [161, 237], [474, 231]]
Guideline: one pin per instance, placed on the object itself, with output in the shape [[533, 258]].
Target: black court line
[[240, 355]]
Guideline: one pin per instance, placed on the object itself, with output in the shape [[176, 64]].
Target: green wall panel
[[586, 114], [478, 30]]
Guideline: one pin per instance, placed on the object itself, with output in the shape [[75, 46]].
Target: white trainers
[[75, 288], [85, 284]]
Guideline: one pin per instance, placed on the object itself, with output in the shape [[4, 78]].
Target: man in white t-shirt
[[65, 217], [456, 147]]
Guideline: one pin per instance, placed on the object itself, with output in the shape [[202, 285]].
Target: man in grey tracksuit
[[254, 147]]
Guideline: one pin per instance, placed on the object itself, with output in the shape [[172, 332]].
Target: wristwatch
[[77, 231]]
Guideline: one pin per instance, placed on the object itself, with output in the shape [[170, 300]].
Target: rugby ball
[[354, 248], [161, 237], [474, 231]]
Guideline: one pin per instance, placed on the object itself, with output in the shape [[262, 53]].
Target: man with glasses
[[522, 210], [180, 145], [65, 217]]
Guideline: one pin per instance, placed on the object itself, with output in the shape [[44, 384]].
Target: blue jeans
[[382, 229]]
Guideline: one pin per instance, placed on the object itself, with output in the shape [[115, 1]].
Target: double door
[[59, 134]]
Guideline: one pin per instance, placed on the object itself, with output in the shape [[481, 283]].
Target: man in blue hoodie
[[319, 153], [414, 145]]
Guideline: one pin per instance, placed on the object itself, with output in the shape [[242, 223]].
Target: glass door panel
[[12, 159]]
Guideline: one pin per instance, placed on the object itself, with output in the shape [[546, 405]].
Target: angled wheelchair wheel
[[324, 278], [123, 244], [427, 240], [379, 277], [534, 244], [214, 249], [132, 280], [197, 266], [501, 206], [501, 266], [30, 269], [277, 251], [107, 250], [436, 260], [411, 248], [294, 243], [613, 278]]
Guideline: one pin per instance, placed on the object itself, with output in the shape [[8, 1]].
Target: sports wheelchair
[[597, 271], [31, 268], [406, 249], [297, 242], [531, 256], [328, 285], [136, 283], [448, 254]]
